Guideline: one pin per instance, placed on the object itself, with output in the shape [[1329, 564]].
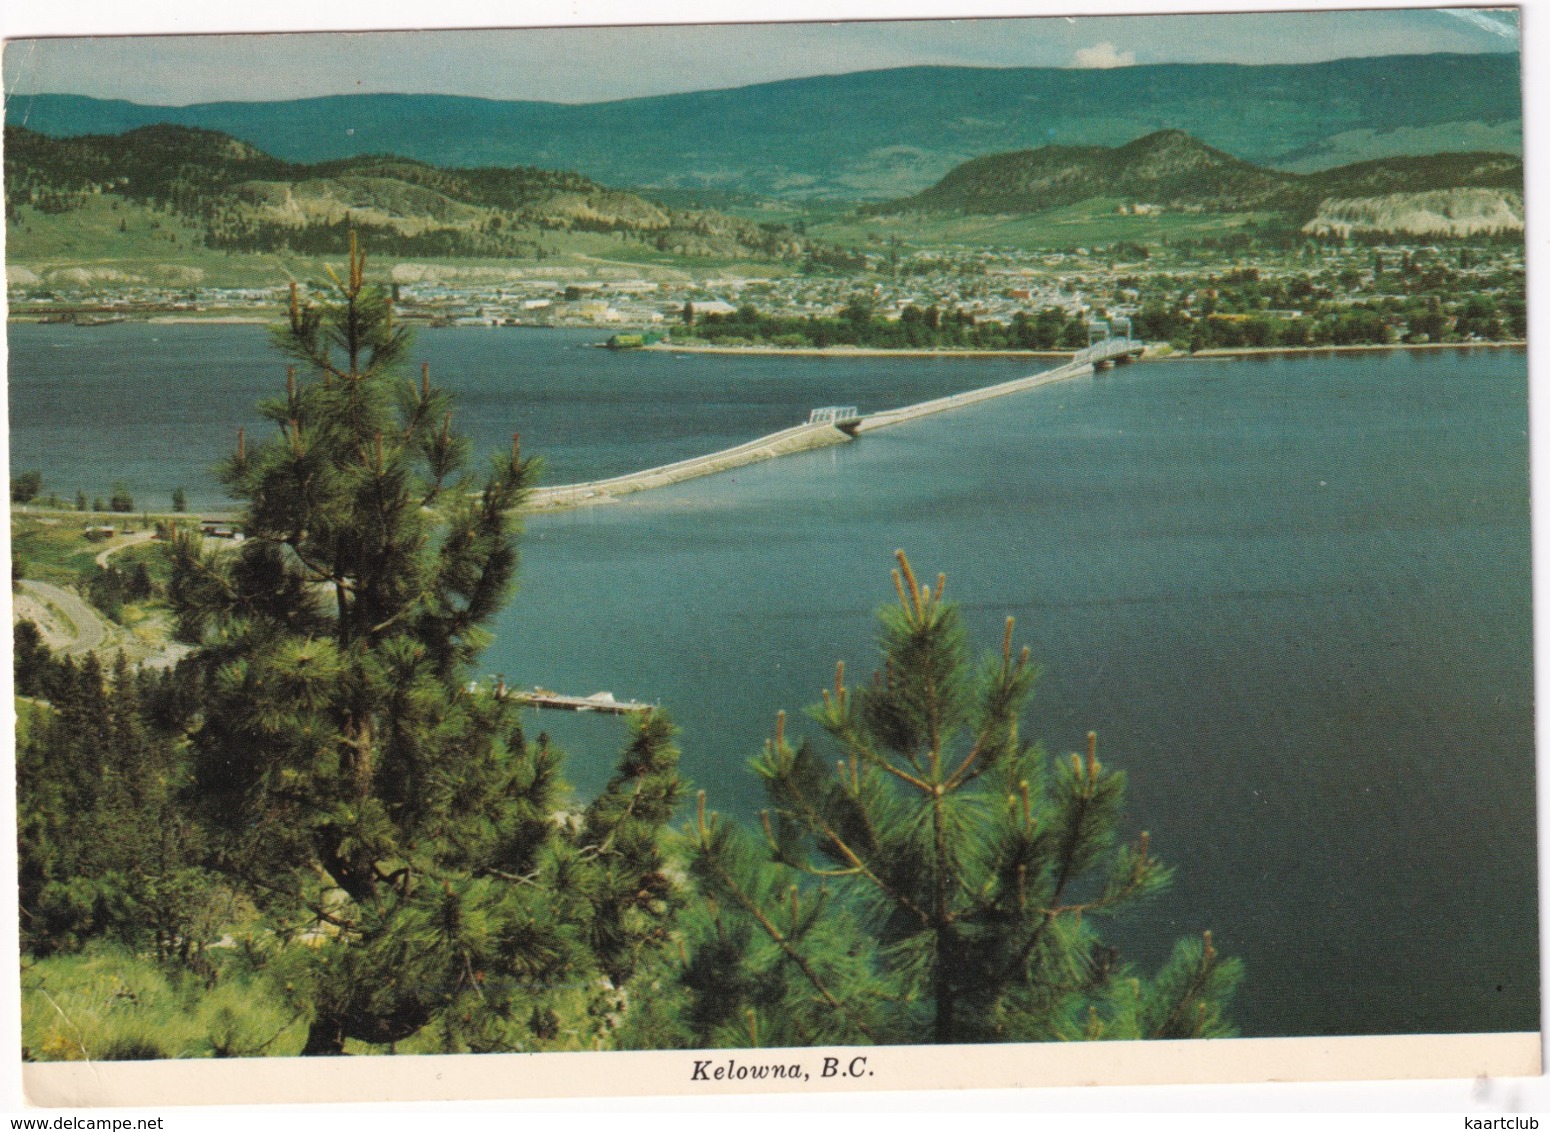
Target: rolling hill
[[877, 135], [1171, 171], [217, 193], [1167, 167]]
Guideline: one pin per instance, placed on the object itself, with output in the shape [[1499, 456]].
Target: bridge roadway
[[799, 438], [803, 437], [1098, 355]]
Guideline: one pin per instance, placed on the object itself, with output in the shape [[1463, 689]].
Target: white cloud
[[1101, 55], [1502, 25]]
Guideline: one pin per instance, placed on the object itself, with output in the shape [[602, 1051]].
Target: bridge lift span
[[837, 415]]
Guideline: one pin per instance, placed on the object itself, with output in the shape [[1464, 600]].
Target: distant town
[[1321, 293]]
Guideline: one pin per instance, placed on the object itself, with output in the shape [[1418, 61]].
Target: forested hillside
[[1450, 194], [1171, 169], [238, 198]]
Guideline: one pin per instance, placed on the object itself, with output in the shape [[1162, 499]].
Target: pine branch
[[811, 815], [1069, 851], [750, 906]]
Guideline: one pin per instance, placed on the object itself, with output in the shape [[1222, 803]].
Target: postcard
[[791, 557]]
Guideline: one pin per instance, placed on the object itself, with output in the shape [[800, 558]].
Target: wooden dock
[[598, 701]]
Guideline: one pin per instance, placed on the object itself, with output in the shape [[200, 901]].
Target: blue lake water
[[84, 399], [1291, 595]]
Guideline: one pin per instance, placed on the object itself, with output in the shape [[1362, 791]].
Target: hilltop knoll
[[1170, 171]]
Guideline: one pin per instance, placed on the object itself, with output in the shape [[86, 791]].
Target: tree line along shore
[[1157, 352]]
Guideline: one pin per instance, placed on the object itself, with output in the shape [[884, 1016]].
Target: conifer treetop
[[941, 879]]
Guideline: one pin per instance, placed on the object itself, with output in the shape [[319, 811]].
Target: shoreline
[[1363, 348], [212, 319], [1155, 352], [847, 351]]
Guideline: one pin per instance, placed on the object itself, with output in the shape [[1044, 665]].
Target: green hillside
[[165, 192], [879, 135], [1408, 174], [1096, 221], [1171, 172], [1167, 167], [174, 206]]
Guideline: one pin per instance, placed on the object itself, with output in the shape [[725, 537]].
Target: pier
[[598, 701]]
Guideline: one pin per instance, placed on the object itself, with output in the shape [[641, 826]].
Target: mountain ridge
[[872, 135]]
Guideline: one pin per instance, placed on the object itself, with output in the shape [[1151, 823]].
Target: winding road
[[67, 623], [133, 540]]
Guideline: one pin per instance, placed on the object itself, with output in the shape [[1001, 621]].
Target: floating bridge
[[1098, 356], [1109, 351], [831, 424]]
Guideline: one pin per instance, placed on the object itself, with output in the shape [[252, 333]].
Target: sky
[[600, 64]]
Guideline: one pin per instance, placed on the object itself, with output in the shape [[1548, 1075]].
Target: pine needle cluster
[[941, 880]]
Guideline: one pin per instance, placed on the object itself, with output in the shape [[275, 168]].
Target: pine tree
[[25, 486], [103, 850], [941, 882], [373, 800]]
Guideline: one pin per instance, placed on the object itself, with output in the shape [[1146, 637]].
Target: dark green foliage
[[917, 328], [110, 588], [373, 803], [179, 500], [104, 846], [1420, 174], [25, 486], [236, 195], [943, 881], [33, 664], [1479, 317], [1171, 168], [1167, 167]]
